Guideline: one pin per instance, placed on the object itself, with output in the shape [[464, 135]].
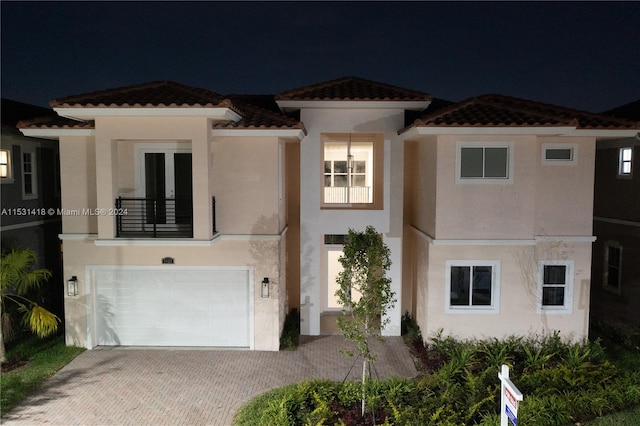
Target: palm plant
[[17, 277]]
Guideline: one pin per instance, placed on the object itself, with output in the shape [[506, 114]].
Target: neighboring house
[[615, 290], [195, 219], [30, 189]]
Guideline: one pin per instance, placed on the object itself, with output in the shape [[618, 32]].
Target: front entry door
[[333, 267]]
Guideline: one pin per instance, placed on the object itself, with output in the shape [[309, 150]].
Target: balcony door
[[165, 182]]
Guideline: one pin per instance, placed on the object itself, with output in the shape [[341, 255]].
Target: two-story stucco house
[[196, 219]]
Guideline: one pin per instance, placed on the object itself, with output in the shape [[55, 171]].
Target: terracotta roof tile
[[258, 111], [504, 111], [354, 89], [55, 122], [155, 94]]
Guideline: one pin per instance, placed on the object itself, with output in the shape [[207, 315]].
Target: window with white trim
[[612, 267], [484, 162], [5, 164], [554, 154], [473, 286], [625, 162], [555, 286], [29, 175]]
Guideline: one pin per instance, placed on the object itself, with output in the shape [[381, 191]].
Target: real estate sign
[[510, 395]]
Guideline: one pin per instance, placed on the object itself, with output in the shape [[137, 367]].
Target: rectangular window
[[555, 286], [5, 164], [625, 162], [613, 267], [352, 170], [29, 182], [558, 154], [472, 286], [484, 162]]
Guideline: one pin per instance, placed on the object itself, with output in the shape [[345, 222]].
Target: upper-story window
[[625, 162], [5, 164], [478, 162], [352, 170], [29, 175], [554, 154]]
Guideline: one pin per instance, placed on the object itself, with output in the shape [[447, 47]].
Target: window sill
[[472, 310]]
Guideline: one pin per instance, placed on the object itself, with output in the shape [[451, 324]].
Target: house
[[615, 290], [30, 190], [196, 219]]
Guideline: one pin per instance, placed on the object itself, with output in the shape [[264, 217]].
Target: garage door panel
[[172, 308]]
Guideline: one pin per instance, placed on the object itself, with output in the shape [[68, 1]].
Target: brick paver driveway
[[117, 386]]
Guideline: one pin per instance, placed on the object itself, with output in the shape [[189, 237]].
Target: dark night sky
[[576, 54]]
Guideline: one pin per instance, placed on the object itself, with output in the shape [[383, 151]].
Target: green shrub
[[290, 330]]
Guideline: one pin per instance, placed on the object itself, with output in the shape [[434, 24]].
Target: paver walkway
[[126, 386]]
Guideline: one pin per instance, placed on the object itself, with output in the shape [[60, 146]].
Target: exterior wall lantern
[[4, 164], [72, 286], [264, 290]]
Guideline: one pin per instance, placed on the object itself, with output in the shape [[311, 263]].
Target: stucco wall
[[263, 255], [485, 210], [517, 313]]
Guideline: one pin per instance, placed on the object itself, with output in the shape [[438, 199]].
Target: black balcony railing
[[154, 218]]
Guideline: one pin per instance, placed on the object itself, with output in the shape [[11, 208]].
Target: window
[[625, 162], [555, 288], [29, 181], [484, 163], [352, 170], [554, 154], [5, 164], [473, 286], [613, 267]]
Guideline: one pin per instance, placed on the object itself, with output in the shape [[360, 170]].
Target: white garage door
[[172, 307]]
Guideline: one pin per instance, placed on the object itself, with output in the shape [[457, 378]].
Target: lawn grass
[[44, 357]]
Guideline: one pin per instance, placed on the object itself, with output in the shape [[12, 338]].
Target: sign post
[[509, 397]]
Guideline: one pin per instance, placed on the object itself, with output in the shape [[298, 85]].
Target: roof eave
[[291, 105], [218, 114], [56, 133], [261, 132], [486, 130]]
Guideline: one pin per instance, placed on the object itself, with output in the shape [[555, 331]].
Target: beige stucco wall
[[518, 292], [445, 220], [77, 184], [262, 255], [245, 174], [564, 193], [486, 211]]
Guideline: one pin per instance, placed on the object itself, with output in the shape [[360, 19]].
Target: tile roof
[[258, 111], [504, 111], [155, 94], [354, 89], [55, 122]]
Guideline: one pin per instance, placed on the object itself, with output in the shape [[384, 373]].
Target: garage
[[142, 306]]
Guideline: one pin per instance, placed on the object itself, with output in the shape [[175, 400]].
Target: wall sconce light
[[264, 290], [72, 286]]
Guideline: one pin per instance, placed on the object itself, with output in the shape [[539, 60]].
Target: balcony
[[347, 195], [156, 218]]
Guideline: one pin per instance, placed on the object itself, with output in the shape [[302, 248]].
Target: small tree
[[17, 278], [365, 261]]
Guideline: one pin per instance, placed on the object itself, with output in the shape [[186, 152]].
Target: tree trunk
[[364, 383]]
